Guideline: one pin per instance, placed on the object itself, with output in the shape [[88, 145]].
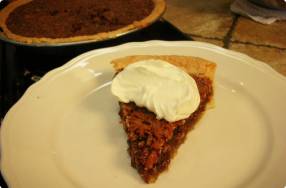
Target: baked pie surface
[[48, 21]]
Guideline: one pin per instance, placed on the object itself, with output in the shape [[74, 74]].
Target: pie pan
[[7, 36]]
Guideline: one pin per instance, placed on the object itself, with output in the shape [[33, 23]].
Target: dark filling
[[153, 142], [68, 18]]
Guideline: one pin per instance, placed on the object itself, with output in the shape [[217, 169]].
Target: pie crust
[[159, 8]]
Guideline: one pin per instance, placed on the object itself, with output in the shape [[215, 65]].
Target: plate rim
[[260, 65]]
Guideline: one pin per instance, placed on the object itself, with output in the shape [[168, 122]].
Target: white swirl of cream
[[161, 87]]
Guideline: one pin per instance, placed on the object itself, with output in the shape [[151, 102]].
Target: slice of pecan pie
[[153, 142], [50, 21]]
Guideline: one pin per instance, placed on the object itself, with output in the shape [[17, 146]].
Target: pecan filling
[[152, 142], [61, 19]]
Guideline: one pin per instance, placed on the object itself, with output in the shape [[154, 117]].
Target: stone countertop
[[213, 22]]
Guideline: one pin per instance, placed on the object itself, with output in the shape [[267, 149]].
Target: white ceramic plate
[[65, 132]]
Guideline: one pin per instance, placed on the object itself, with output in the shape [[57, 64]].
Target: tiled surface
[[252, 32], [203, 18], [212, 41], [212, 22]]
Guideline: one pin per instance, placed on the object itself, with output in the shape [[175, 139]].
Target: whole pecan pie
[[50, 21]]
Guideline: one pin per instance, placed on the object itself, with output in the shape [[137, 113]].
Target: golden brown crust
[[192, 65], [158, 10]]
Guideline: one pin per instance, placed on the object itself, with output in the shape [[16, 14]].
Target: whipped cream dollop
[[161, 87]]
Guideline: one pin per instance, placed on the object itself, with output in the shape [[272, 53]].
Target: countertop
[[213, 22]]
